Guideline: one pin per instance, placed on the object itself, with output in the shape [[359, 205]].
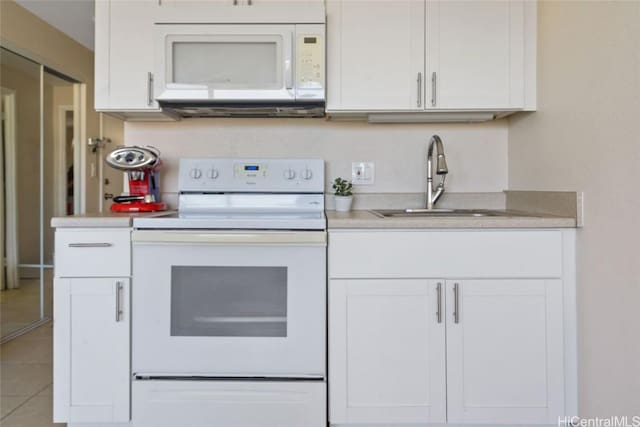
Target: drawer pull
[[90, 245]]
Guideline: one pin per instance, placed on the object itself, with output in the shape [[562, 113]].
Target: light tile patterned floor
[[26, 380], [21, 307]]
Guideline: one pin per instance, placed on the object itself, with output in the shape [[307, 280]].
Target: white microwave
[[225, 67]]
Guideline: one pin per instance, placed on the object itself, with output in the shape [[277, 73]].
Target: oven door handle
[[155, 237]]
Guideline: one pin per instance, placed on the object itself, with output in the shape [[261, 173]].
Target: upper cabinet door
[[505, 352], [475, 54], [375, 55], [386, 351], [130, 53], [235, 11]]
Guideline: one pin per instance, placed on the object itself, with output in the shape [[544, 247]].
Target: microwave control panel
[[310, 63]]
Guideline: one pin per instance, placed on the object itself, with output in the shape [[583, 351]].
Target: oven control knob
[[213, 173], [289, 174], [195, 173], [307, 174]]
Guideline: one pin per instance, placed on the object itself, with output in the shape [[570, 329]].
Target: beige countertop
[[102, 220], [366, 219]]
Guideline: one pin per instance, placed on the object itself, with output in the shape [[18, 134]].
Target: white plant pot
[[343, 203]]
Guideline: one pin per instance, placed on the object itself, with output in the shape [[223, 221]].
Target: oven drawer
[[177, 403], [93, 253]]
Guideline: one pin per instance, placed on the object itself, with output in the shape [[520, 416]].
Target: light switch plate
[[362, 173]]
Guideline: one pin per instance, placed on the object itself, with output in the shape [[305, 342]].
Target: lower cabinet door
[[386, 351], [504, 351], [91, 350]]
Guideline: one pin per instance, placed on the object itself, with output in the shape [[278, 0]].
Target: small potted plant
[[343, 195]]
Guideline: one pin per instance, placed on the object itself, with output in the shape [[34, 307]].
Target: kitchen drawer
[[445, 254], [93, 253], [171, 403]]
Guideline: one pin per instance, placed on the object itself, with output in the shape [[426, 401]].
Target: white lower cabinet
[[504, 351], [91, 350], [386, 352], [453, 341]]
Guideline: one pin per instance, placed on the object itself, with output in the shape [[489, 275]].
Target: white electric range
[[229, 298]]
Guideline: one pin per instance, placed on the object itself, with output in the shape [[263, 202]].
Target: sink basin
[[440, 213]]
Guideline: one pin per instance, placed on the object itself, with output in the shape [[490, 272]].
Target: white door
[[504, 351], [475, 54], [386, 351], [91, 375], [124, 55], [229, 304], [375, 55]]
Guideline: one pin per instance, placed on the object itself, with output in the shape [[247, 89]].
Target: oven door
[[229, 304], [224, 63]]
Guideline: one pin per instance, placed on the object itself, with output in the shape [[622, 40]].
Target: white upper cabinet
[[431, 56], [124, 56], [375, 55], [234, 11], [475, 54]]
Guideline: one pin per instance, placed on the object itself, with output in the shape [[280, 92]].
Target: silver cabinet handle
[[149, 89], [434, 86], [90, 245], [456, 303], [119, 312], [419, 80], [439, 296]]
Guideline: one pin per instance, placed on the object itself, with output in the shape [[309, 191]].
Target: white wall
[[585, 137], [476, 153]]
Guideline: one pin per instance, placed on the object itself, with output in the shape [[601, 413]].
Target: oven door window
[[229, 301]]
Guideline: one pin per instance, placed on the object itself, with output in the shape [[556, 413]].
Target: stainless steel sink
[[440, 213]]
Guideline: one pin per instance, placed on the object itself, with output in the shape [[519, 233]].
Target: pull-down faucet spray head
[[441, 161], [432, 195]]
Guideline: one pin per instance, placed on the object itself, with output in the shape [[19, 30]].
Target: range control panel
[[243, 175]]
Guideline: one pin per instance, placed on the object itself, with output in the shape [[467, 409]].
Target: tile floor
[[26, 380], [21, 307]]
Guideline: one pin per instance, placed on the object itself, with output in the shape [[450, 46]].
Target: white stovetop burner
[[225, 193]]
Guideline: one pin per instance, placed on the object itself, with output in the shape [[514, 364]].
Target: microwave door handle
[[288, 64]]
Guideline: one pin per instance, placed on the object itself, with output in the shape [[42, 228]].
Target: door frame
[[60, 161], [9, 164], [80, 151]]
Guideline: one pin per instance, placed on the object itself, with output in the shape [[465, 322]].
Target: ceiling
[[72, 17]]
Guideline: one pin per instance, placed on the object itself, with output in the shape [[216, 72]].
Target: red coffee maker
[[142, 166]]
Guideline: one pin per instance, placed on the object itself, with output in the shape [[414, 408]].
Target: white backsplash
[[476, 153]]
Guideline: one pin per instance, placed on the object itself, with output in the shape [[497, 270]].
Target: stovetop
[[224, 193]]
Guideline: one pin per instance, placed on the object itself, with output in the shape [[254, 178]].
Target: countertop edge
[[102, 220], [366, 220]]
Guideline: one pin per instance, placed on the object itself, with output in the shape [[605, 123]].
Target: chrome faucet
[[441, 169]]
